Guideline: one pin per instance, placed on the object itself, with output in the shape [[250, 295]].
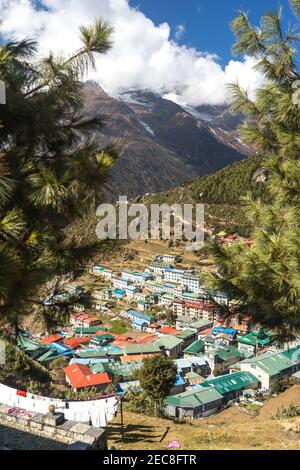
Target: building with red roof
[[75, 343], [80, 376], [55, 338], [167, 330], [84, 320]]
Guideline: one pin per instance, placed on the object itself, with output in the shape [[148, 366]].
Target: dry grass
[[230, 429]]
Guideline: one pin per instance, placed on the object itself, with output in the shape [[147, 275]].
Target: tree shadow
[[134, 433]]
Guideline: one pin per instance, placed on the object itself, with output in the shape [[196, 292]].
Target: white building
[[101, 272], [173, 275], [191, 283], [136, 278], [120, 282]]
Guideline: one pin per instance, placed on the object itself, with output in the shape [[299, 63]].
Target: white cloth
[[100, 412]]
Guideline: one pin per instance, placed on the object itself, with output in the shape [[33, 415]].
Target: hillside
[[161, 144], [231, 429], [221, 193]]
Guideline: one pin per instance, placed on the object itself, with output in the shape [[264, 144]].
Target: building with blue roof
[[134, 315]]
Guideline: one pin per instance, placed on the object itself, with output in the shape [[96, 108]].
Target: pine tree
[[265, 279], [157, 377], [50, 173]]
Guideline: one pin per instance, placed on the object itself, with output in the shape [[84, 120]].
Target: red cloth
[[21, 393]]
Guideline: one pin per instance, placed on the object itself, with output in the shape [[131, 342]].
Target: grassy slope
[[230, 429], [221, 193]]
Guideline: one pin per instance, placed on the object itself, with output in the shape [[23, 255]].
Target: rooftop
[[168, 342], [231, 382], [195, 347], [194, 398], [81, 376]]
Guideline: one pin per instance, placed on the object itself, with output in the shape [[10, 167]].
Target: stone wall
[[74, 436]]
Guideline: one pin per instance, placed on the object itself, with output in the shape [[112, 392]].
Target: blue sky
[[207, 21], [178, 48]]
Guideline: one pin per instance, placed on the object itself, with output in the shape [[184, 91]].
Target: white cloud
[[143, 54], [180, 30]]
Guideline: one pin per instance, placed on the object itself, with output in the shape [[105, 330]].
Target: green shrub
[[289, 411]]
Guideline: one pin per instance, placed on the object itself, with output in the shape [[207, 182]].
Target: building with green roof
[[102, 340], [80, 331], [118, 371], [194, 349], [82, 353], [231, 386], [220, 359], [271, 366], [199, 403], [151, 348], [33, 348], [187, 336], [201, 324], [255, 340], [171, 345]]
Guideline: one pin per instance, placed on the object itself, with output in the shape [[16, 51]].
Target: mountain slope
[[161, 144]]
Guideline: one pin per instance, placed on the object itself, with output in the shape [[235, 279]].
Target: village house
[[220, 359], [84, 320], [141, 350], [74, 289], [194, 349], [167, 330], [194, 404], [97, 295], [143, 305], [173, 275], [211, 296], [170, 345], [100, 340], [231, 386], [191, 283], [169, 258], [272, 366], [255, 341], [183, 322], [136, 278], [80, 376], [210, 312], [154, 286], [158, 268], [178, 387], [192, 378], [166, 300], [82, 331], [101, 305], [170, 288], [187, 308], [200, 325], [119, 294], [142, 296], [119, 282], [135, 316], [54, 338], [187, 337], [101, 272], [131, 291]]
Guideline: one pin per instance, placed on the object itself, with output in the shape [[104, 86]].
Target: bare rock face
[[260, 176], [161, 144]]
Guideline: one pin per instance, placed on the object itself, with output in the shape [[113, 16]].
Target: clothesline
[[99, 412]]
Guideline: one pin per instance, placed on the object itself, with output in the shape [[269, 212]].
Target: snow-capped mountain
[[161, 144]]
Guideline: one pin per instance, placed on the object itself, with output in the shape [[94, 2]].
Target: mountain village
[[221, 360]]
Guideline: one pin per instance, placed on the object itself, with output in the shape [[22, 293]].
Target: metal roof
[[231, 382], [194, 398]]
